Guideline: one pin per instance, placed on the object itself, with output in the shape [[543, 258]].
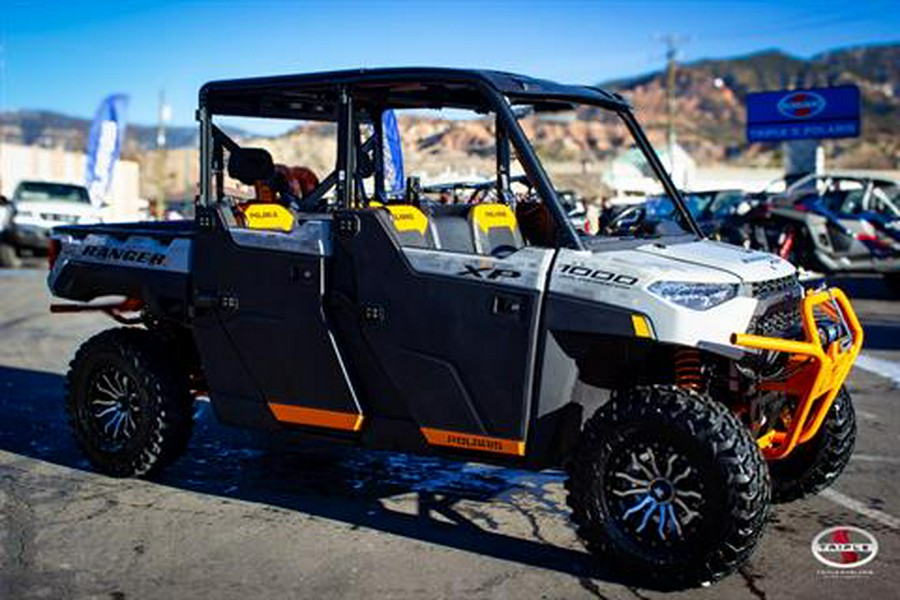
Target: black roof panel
[[315, 94]]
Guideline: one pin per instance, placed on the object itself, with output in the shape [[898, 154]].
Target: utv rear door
[[266, 345]]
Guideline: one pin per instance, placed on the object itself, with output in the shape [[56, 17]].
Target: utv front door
[[443, 339]]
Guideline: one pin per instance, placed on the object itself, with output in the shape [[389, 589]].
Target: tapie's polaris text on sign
[[803, 114]]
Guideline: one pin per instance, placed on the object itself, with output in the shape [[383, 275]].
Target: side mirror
[[249, 165]]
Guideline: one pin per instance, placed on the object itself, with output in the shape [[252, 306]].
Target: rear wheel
[[815, 465], [667, 484], [129, 406]]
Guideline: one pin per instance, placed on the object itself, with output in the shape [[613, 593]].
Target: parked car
[[9, 258], [42, 205], [711, 209], [836, 223]]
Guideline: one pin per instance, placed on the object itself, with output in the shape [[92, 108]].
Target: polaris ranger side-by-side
[[396, 318]]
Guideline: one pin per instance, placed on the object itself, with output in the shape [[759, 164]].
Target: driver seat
[[494, 226]]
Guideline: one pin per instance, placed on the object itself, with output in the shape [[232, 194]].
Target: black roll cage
[[333, 97]]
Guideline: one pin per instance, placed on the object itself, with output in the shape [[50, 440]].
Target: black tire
[[815, 465], [720, 469], [8, 257], [126, 372]]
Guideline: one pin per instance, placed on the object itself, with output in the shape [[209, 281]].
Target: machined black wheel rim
[[655, 495], [113, 406]]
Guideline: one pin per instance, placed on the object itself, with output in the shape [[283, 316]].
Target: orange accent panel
[[467, 441], [316, 417]]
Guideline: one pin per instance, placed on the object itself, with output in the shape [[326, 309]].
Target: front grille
[[780, 320], [771, 287], [59, 218]]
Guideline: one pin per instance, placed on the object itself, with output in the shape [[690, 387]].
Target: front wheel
[[667, 484], [815, 465], [129, 406]]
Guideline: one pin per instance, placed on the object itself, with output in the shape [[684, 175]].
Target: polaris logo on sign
[[801, 105]]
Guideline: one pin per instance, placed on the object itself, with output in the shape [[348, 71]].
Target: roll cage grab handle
[[508, 130]]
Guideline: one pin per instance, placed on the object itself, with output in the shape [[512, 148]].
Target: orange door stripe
[[316, 417], [438, 437]]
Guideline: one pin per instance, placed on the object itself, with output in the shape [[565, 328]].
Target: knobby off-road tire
[[815, 465], [660, 446], [129, 405], [8, 257]]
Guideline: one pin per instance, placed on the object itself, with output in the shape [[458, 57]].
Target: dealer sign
[[803, 114]]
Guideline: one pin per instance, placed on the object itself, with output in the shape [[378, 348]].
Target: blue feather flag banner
[[393, 153], [104, 144]]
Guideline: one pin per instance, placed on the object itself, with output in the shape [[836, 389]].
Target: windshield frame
[[638, 136]]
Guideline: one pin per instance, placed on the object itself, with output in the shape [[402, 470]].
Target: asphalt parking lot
[[247, 516]]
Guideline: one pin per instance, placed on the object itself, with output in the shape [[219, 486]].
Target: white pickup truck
[[38, 207]]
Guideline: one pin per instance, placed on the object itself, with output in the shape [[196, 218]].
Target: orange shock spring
[[687, 369]]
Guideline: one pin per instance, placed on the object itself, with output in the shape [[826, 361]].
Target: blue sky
[[65, 56]]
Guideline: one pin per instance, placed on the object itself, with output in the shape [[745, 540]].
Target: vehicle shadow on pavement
[[341, 483], [881, 332]]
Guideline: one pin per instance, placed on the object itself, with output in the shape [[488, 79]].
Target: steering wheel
[[629, 222], [503, 250]]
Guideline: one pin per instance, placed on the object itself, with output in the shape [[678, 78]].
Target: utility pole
[[164, 115], [160, 162], [672, 43]]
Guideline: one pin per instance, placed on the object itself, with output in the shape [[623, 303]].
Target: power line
[[819, 21]]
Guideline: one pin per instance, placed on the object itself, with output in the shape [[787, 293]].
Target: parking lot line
[[882, 459], [866, 415], [860, 508], [886, 368]]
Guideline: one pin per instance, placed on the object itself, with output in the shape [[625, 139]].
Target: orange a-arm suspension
[[816, 371]]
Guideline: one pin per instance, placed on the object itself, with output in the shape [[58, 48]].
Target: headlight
[[698, 296]]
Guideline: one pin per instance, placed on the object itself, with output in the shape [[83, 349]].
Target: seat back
[[453, 229], [493, 226], [411, 226]]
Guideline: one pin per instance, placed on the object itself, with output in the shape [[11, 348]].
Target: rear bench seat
[[453, 228]]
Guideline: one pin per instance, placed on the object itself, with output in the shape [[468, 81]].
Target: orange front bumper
[[815, 374]]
